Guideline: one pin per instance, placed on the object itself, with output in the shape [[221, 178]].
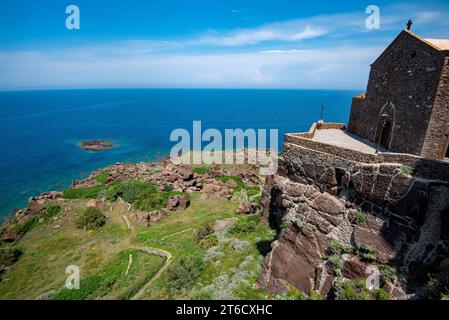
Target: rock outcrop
[[341, 220]]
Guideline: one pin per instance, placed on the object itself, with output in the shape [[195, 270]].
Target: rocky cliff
[[341, 221]]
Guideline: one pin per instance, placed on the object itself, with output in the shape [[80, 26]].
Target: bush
[[408, 170], [243, 226], [150, 201], [184, 273], [366, 252], [336, 262], [298, 223], [360, 217], [91, 218], [381, 294], [9, 256], [352, 290], [203, 232], [239, 245], [208, 242]]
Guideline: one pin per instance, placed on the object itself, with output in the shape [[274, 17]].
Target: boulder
[[35, 206], [178, 202], [231, 184], [186, 173], [9, 237], [354, 269], [221, 225], [384, 250], [328, 204], [245, 208]]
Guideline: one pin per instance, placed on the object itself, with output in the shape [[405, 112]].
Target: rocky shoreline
[[165, 175]]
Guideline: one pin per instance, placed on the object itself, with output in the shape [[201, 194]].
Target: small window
[[413, 54]]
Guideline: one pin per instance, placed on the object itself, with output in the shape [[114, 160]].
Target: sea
[[41, 130]]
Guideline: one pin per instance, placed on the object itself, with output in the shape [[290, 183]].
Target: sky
[[279, 44]]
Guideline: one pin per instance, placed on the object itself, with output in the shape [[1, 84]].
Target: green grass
[[201, 170], [101, 178], [83, 193], [112, 282]]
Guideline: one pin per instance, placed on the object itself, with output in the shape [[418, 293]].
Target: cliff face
[[340, 220]]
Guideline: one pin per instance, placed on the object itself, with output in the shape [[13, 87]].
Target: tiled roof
[[441, 44]]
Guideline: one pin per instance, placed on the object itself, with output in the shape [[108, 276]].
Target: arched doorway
[[385, 134]]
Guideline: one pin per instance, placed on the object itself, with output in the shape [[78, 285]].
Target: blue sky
[[202, 44]]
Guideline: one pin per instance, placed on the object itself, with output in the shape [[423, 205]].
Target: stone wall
[[437, 133], [403, 83]]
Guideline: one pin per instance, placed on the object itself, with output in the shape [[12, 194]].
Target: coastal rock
[[35, 206]]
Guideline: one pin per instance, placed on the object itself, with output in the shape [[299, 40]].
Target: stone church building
[[406, 105]]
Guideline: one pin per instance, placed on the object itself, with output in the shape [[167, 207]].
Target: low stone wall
[[422, 167]]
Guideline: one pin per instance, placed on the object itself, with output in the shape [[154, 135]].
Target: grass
[[112, 282]]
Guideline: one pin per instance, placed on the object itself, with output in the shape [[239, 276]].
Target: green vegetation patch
[[91, 219], [184, 273], [113, 282], [83, 193]]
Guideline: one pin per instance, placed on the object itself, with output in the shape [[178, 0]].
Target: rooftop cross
[[409, 25]]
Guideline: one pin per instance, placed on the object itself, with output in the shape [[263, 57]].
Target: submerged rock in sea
[[97, 145]]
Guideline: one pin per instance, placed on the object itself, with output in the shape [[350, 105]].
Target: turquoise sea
[[40, 130]]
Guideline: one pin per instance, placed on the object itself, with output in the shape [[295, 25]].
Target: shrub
[[150, 200], [314, 295], [91, 218], [304, 206], [239, 245], [335, 261], [352, 290], [367, 252], [203, 232], [213, 253], [408, 170], [298, 223], [208, 241], [243, 226], [381, 294], [360, 217], [284, 225], [9, 256], [184, 273], [388, 272]]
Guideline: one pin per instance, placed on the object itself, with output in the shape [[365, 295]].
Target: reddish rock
[[384, 251], [178, 203], [9, 237], [293, 259], [354, 269], [328, 204], [35, 206]]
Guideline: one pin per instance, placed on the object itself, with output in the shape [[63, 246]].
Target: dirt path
[[154, 251], [150, 250]]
